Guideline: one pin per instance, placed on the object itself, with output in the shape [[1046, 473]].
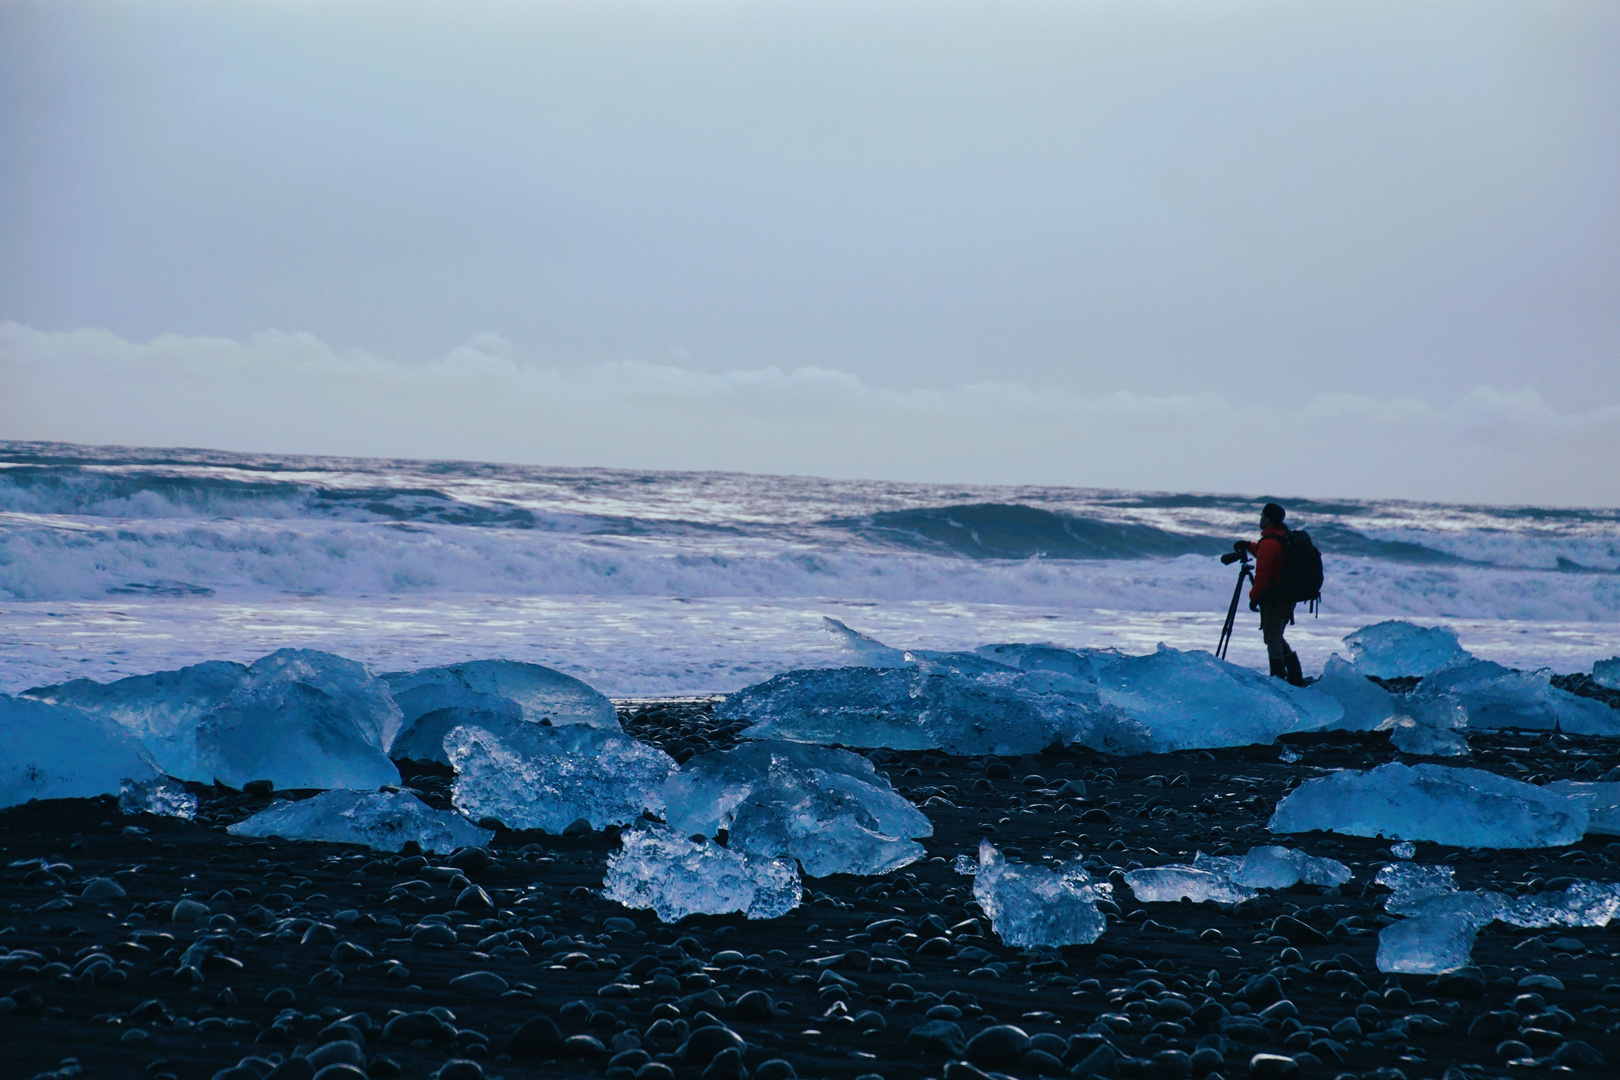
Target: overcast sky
[[1255, 210]]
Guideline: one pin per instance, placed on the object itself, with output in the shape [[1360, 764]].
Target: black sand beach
[[223, 950]]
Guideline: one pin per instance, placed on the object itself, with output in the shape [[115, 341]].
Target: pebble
[[337, 1051], [100, 888], [460, 1069], [1272, 1067], [188, 911], [480, 984], [775, 1069], [341, 1071], [293, 1068], [998, 1046], [538, 1037], [704, 1043]]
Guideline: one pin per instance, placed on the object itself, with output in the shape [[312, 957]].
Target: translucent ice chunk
[[1446, 805], [1395, 649], [1365, 703], [1440, 934], [829, 809], [539, 777], [492, 694], [960, 703], [1410, 737], [231, 722], [863, 650], [1171, 884], [1031, 906], [966, 865], [293, 734], [1494, 696], [969, 703], [1274, 867], [161, 709], [1411, 884], [378, 819], [1403, 850], [1602, 802], [1581, 903], [674, 876], [1607, 673], [161, 797], [59, 752]]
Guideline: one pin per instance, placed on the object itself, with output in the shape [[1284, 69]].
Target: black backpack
[[1301, 581]]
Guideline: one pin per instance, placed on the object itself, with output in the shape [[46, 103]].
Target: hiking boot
[[1279, 667], [1292, 671]]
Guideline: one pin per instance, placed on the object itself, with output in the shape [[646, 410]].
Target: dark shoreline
[[1158, 808]]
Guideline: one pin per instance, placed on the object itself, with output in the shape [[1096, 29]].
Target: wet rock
[[1041, 1063], [1576, 1053], [480, 984], [1262, 990], [726, 1065], [1205, 1060], [1464, 983], [1297, 932], [408, 1027], [341, 1071], [704, 1043], [538, 1037], [339, 1051], [1273, 1067], [100, 888], [775, 1069], [259, 789], [460, 1069], [587, 1047], [470, 859], [1492, 1027], [1172, 1064], [189, 911], [474, 898], [754, 1006], [293, 1068], [999, 1046], [938, 1036]]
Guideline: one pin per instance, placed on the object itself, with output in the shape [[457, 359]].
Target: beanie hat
[[1274, 512]]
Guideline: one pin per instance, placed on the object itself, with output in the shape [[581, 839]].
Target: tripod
[[1245, 573]]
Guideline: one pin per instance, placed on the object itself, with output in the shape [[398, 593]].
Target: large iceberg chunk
[[1271, 866], [1013, 699], [1438, 935], [1172, 884], [1602, 802], [1032, 906], [862, 649], [59, 752], [540, 777], [1465, 807], [377, 819], [1396, 649], [1366, 705], [657, 868], [1493, 696], [829, 809], [495, 695], [298, 717], [1607, 673]]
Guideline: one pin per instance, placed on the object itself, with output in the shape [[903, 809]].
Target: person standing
[[1267, 595]]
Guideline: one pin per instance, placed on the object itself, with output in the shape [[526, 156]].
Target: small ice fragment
[[538, 777], [1288, 755], [1410, 737], [1171, 884], [495, 695], [1031, 906], [60, 752], [1607, 673], [1438, 803], [1396, 649], [1439, 936], [1410, 885], [1403, 850], [829, 809], [161, 797], [1581, 903], [378, 819], [657, 868], [966, 865], [1273, 867]]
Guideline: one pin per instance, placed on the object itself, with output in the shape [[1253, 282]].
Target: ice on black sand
[[675, 876], [60, 752], [378, 819], [1031, 905]]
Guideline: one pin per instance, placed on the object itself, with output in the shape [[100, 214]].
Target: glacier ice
[[1366, 704], [1031, 906], [1171, 884], [1493, 696], [384, 820], [1442, 922], [59, 752], [1410, 737], [1014, 699], [298, 717], [1607, 673], [1602, 803], [1271, 866], [659, 869], [540, 777], [161, 797], [495, 695], [829, 809], [292, 734], [1396, 649], [1439, 803], [867, 651]]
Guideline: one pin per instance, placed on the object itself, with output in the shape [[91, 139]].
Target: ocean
[[116, 561]]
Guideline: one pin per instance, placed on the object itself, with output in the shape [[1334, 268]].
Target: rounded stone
[[341, 1071], [655, 1070], [460, 1069], [776, 1069], [342, 1051], [754, 1005], [704, 1043], [998, 1046], [189, 911], [480, 984], [726, 1065], [583, 1046], [1273, 1067], [100, 888], [470, 859], [539, 1037]]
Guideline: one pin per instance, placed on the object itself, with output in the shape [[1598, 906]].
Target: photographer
[[1268, 597]]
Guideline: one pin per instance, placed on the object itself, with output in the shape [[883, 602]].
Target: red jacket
[[1268, 559]]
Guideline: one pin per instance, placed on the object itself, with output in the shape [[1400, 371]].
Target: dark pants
[[1274, 619]]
